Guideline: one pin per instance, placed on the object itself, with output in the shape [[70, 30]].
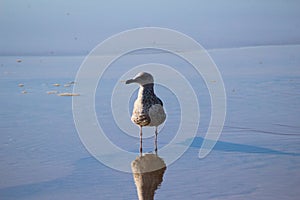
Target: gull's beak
[[130, 81]]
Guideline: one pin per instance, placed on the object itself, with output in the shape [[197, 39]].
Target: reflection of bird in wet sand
[[148, 171], [148, 108]]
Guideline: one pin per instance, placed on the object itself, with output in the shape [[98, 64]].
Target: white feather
[[157, 115]]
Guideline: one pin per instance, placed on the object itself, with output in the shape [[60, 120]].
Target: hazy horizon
[[76, 27]]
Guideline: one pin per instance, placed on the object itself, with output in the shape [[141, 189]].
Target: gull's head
[[141, 78]]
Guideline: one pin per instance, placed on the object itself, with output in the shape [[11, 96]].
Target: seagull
[[148, 108]]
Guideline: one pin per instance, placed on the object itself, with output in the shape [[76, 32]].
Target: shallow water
[[257, 156]]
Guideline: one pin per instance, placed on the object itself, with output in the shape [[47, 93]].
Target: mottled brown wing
[[141, 119]]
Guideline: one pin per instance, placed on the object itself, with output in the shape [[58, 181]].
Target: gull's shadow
[[244, 148], [148, 171]]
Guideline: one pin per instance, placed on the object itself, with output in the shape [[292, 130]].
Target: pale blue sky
[[76, 26]]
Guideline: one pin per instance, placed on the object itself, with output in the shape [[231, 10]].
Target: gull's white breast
[[157, 115]]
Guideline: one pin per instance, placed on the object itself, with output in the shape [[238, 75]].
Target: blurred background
[[56, 27]]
